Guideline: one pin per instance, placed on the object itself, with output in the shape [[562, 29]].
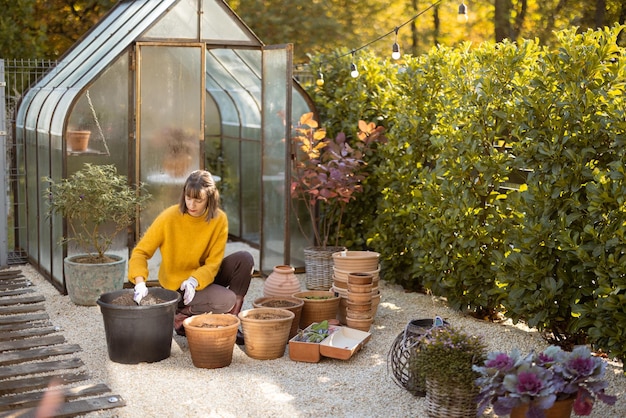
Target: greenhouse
[[159, 88]]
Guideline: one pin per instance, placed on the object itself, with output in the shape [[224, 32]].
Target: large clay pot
[[266, 332], [319, 305], [86, 282], [282, 281], [211, 339], [283, 302], [560, 409], [356, 261], [139, 333]]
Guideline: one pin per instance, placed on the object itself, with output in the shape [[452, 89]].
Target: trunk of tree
[[414, 34], [502, 21], [600, 17], [436, 25]]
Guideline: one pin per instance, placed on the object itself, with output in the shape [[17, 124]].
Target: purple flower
[[500, 361], [537, 380]]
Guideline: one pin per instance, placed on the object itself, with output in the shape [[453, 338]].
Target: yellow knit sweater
[[190, 246]]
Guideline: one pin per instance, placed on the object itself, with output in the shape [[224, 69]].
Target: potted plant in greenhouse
[[89, 199], [326, 175], [550, 382], [444, 358]]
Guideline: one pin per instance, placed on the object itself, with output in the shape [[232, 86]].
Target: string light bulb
[[463, 16], [354, 73], [395, 49], [320, 79]]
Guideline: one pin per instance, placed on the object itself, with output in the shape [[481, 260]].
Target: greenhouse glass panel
[[218, 24], [170, 122], [251, 190], [276, 104], [227, 108], [181, 22], [230, 185]]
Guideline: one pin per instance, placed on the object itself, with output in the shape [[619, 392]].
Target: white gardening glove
[[141, 291], [189, 287]]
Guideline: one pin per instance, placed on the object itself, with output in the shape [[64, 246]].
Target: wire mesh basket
[[402, 350]]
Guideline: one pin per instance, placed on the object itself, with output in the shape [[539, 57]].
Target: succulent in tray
[[316, 333]]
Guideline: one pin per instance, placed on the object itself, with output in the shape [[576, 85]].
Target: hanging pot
[[211, 339], [78, 141], [282, 281], [139, 333]]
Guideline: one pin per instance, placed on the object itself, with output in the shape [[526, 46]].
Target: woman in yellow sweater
[[192, 239]]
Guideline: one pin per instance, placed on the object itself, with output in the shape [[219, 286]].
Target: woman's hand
[[141, 291], [189, 287]]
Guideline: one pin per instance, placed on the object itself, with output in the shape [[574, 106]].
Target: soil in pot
[[126, 299]]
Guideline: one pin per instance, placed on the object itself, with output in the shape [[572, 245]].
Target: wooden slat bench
[[29, 347]]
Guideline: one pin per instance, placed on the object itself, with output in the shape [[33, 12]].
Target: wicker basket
[[399, 357], [448, 401], [318, 263]]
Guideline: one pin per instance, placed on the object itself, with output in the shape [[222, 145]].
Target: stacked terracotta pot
[[361, 262], [359, 301]]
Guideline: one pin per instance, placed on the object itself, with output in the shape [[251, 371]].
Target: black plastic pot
[[137, 334]]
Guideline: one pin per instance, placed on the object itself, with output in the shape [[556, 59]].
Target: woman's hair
[[198, 183]]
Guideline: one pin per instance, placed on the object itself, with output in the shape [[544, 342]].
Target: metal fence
[[16, 76]]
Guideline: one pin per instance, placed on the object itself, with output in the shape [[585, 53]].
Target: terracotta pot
[[343, 274], [319, 305], [356, 261], [363, 324], [283, 302], [282, 281], [211, 339], [359, 297], [78, 141], [560, 409], [266, 332], [177, 165], [359, 288], [360, 278]]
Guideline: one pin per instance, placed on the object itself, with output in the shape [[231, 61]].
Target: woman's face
[[196, 206]]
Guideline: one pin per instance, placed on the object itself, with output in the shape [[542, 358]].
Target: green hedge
[[502, 185]]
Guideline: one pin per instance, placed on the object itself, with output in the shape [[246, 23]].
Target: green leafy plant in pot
[[89, 199], [445, 359], [327, 174]]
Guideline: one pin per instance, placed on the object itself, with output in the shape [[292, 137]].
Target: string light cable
[[395, 48]]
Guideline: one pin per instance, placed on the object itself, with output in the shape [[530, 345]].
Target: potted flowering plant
[[326, 175], [444, 360], [538, 380]]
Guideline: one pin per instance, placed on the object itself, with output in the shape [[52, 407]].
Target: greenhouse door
[[169, 123], [276, 116]]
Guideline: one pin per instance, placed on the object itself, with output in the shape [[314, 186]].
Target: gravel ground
[[359, 387]]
